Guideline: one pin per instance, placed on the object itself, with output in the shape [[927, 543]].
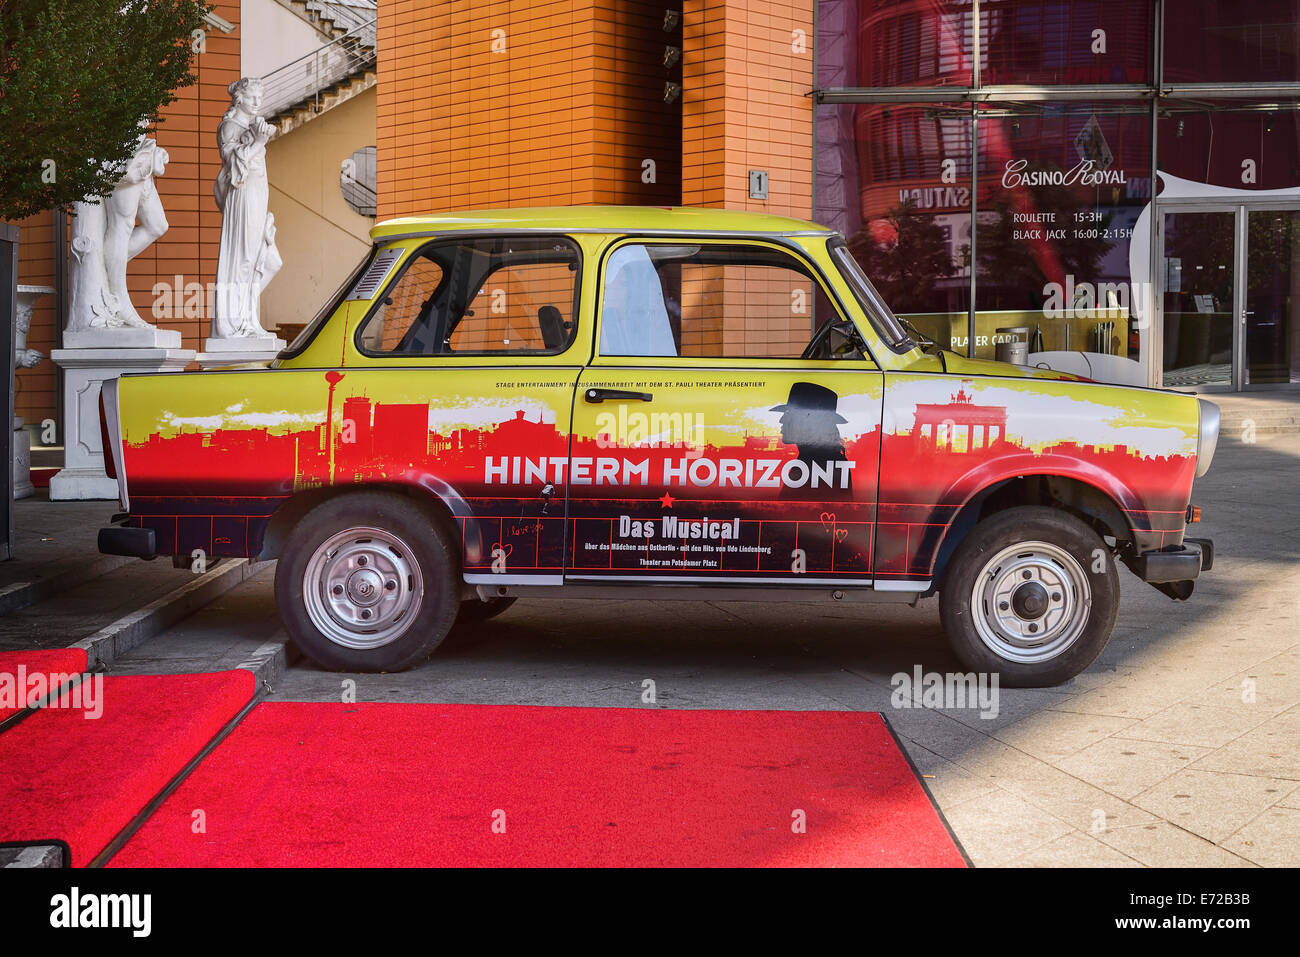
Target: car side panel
[[948, 437], [209, 457], [734, 473]]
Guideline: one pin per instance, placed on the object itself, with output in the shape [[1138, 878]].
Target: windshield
[[878, 313]]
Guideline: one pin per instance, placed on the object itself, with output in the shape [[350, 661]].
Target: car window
[[476, 296], [878, 312], [709, 300]]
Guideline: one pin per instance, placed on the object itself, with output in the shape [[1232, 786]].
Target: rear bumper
[[120, 539], [1182, 563]]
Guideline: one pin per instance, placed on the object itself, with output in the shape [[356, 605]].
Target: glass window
[[1065, 41], [1225, 145], [1061, 188], [1210, 41], [876, 309], [309, 331], [475, 296], [905, 194], [908, 44], [709, 300]]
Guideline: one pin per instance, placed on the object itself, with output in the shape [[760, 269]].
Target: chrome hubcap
[[362, 588], [1031, 602]]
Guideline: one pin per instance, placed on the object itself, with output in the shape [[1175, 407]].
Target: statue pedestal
[[232, 352], [22, 475], [122, 338], [84, 371]]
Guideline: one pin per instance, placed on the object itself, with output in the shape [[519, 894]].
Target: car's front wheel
[[367, 582], [1031, 593]]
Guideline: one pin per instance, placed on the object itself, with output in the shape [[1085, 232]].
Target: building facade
[[1114, 184], [1118, 181], [312, 56]]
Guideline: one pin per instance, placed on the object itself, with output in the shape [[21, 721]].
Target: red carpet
[[421, 784], [63, 777], [23, 671]]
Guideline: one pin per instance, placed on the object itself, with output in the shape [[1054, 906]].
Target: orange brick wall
[[745, 104], [188, 248], [565, 113], [572, 106], [744, 311]]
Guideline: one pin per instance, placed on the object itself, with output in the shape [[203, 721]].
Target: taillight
[[106, 443]]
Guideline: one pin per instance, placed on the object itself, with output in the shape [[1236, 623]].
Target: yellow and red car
[[632, 403]]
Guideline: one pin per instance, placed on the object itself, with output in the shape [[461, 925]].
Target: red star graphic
[[667, 500]]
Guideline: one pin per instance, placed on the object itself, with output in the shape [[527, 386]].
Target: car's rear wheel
[[367, 582], [1032, 593]]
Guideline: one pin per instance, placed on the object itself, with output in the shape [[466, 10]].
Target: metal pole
[[8, 323], [974, 226], [1154, 338], [974, 174]]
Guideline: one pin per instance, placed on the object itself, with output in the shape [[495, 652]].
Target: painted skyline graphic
[[926, 472]]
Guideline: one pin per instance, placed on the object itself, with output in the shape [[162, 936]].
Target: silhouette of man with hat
[[810, 421]]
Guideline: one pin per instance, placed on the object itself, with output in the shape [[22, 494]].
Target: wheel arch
[[442, 500], [1085, 501]]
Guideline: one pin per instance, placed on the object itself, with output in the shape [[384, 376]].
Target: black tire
[[473, 611], [1039, 569], [397, 565]]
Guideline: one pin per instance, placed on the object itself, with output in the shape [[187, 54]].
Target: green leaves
[[77, 77]]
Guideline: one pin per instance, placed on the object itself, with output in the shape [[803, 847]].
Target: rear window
[[478, 296]]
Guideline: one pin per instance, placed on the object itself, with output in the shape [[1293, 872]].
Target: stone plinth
[[84, 371], [22, 474], [232, 352], [121, 338]]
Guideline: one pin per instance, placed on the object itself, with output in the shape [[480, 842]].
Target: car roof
[[588, 219]]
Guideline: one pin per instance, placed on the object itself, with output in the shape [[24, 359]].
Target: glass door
[[1197, 295], [1271, 319]]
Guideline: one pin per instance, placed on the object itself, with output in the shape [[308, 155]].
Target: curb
[[19, 595], [270, 661], [267, 663], [33, 855], [103, 647]]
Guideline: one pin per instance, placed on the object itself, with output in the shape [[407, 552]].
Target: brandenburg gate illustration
[[960, 425]]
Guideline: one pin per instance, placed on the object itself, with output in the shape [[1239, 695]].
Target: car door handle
[[600, 395]]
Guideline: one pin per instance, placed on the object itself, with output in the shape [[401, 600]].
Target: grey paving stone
[[1073, 850], [1210, 804], [998, 827], [1270, 750], [1270, 840], [1196, 724], [1126, 767], [1162, 844]]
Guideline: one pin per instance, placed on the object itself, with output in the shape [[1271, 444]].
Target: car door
[[705, 447], [474, 356]]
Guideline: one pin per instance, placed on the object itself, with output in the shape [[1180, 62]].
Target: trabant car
[[622, 403]]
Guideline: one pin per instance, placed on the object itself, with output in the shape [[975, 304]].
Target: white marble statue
[[25, 358], [248, 258], [109, 231]]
